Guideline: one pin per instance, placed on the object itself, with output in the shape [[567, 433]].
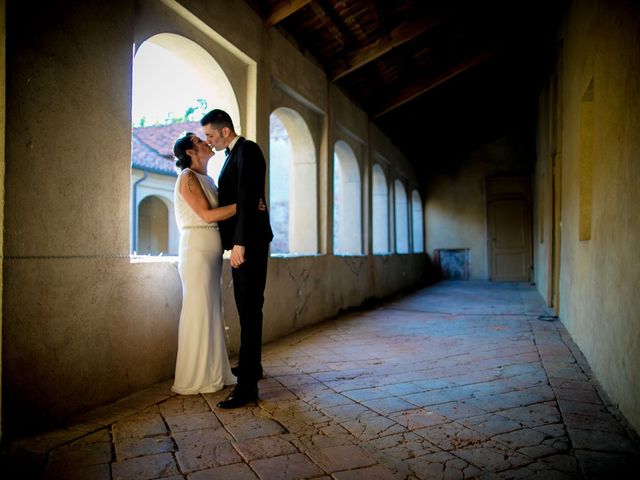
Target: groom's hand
[[237, 256]]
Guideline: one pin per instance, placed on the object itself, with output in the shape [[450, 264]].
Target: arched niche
[[293, 183], [401, 217], [417, 222], [347, 209], [380, 210], [153, 227]]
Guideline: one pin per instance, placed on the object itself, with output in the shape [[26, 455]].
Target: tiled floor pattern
[[460, 380]]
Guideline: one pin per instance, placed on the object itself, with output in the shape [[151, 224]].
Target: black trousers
[[249, 281]]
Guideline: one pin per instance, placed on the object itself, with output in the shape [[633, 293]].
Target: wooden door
[[509, 229]]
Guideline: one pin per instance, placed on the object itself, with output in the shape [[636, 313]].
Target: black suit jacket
[[242, 181]]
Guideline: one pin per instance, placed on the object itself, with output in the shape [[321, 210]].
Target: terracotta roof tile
[[152, 147]]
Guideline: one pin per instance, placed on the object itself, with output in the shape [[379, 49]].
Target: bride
[[202, 365]]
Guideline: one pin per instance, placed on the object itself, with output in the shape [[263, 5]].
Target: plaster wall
[[455, 198], [3, 36], [83, 324], [287, 66], [542, 201], [351, 122], [600, 277], [381, 145]]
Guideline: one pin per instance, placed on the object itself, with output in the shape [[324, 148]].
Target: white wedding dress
[[202, 365]]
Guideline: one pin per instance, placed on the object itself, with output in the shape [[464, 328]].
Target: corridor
[[460, 380]]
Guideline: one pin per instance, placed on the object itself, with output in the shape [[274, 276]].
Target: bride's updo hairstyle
[[184, 143]]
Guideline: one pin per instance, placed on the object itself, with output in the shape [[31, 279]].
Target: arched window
[[417, 222], [347, 217], [380, 211], [292, 184], [175, 82], [153, 227], [402, 218]]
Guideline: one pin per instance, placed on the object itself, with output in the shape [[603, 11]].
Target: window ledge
[[153, 259], [295, 255]]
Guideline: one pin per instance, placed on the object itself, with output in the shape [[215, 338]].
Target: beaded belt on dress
[[190, 227]]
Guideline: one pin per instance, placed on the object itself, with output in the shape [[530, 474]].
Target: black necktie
[[227, 152]]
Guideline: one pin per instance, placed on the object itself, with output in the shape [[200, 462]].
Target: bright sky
[[164, 83]]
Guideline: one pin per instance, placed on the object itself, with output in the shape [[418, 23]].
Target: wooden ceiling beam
[[283, 9], [419, 88], [325, 10], [401, 34]]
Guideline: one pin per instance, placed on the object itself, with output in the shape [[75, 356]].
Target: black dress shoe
[[239, 397]]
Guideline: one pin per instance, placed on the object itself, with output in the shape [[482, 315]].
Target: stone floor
[[460, 380]]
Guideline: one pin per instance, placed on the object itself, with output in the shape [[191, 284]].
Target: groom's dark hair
[[218, 118]]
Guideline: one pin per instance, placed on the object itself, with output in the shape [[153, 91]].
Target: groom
[[247, 235]]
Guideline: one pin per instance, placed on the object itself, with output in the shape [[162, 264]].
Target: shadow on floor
[[459, 380]]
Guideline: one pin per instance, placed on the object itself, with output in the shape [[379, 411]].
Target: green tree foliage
[[191, 113]]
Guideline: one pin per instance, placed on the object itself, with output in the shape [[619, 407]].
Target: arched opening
[[347, 217], [402, 218], [292, 184], [175, 82], [380, 211], [417, 221], [153, 227]]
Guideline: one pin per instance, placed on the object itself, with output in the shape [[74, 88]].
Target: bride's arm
[[192, 192]]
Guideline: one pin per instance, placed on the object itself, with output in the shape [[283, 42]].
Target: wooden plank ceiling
[[433, 75]]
